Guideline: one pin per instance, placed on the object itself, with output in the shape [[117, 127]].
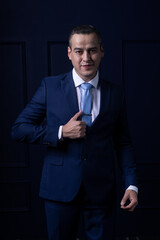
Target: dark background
[[33, 44]]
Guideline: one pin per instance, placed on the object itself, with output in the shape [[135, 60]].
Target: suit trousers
[[80, 219]]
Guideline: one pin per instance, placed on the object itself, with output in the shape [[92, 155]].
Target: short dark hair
[[84, 29]]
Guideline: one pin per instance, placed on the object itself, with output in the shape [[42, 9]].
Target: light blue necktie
[[86, 103]]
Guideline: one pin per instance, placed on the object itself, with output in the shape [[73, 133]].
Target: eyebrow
[[77, 49], [87, 49]]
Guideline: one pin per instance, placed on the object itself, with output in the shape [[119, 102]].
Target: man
[[82, 119]]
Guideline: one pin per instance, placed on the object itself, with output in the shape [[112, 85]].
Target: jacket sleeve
[[124, 148], [31, 125]]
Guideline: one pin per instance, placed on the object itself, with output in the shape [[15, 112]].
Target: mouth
[[86, 66]]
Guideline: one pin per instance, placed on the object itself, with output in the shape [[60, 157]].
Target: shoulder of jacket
[[56, 78], [112, 84]]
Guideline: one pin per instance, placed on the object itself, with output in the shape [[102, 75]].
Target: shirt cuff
[[60, 133], [134, 188]]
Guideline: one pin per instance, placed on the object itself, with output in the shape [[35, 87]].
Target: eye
[[93, 50], [78, 52]]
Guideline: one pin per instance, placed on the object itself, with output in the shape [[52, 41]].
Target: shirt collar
[[78, 80]]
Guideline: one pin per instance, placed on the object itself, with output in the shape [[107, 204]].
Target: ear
[[69, 52], [102, 50]]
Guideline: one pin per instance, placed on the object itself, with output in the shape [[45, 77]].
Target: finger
[[124, 199], [81, 134], [127, 206], [131, 206], [82, 124], [82, 130], [77, 115]]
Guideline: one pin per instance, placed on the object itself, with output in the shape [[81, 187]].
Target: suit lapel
[[70, 94], [105, 96], [105, 99]]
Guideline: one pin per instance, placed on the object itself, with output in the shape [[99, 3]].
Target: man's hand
[[74, 128], [130, 195]]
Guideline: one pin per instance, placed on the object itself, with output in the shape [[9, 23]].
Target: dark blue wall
[[33, 44]]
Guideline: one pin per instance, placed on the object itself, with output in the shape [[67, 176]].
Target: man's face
[[85, 53]]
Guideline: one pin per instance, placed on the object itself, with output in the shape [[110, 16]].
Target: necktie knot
[[86, 86]]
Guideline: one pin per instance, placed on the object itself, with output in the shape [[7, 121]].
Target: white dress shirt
[[96, 95]]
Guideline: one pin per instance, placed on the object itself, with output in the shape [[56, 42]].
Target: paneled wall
[[13, 95], [141, 75], [33, 44]]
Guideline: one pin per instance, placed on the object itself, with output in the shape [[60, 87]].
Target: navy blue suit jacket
[[69, 162]]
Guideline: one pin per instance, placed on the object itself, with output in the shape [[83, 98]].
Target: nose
[[86, 56]]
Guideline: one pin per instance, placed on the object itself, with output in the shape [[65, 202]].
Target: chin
[[90, 75]]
